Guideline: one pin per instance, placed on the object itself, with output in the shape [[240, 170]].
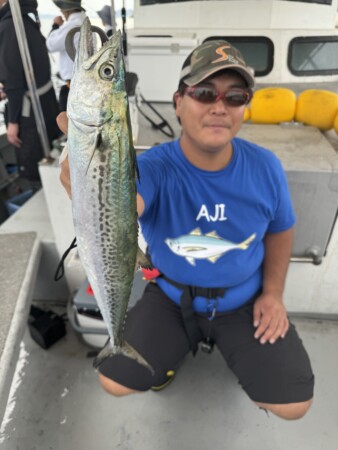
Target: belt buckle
[[207, 345], [211, 308]]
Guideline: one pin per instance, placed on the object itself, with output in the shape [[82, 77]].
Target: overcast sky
[[48, 7]]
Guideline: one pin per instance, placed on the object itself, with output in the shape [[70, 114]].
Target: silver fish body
[[103, 168]]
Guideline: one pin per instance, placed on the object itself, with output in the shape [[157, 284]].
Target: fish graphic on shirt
[[210, 246]]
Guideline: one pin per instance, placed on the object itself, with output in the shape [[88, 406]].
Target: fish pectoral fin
[[98, 142], [191, 260], [245, 244], [213, 259]]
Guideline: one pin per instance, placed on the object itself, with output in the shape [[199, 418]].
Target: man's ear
[[177, 99]]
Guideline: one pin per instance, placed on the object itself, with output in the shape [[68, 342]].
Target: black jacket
[[11, 69]]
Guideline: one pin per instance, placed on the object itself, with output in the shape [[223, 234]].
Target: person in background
[[21, 126], [216, 213], [105, 16], [2, 93], [74, 15]]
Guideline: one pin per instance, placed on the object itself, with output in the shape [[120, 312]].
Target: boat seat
[[317, 108], [19, 263], [273, 105]]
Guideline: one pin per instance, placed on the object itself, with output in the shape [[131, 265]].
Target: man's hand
[[62, 121], [13, 134], [270, 319], [3, 95], [58, 20]]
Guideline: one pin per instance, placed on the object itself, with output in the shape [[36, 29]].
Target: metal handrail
[[29, 74]]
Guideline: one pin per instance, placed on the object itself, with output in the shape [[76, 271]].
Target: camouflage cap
[[211, 57]]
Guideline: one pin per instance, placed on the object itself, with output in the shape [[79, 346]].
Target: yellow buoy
[[318, 108], [247, 114], [273, 105], [335, 123]]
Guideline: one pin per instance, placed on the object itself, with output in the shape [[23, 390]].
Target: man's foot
[[171, 375]]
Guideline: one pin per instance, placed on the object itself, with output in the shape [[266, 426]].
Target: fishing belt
[[26, 101], [189, 319]]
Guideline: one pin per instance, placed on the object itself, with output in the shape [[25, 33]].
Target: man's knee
[[290, 411], [113, 388]]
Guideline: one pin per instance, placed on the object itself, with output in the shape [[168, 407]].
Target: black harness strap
[[189, 319], [60, 270]]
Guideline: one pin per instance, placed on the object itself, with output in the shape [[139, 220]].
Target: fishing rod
[[113, 21], [29, 74], [124, 33]]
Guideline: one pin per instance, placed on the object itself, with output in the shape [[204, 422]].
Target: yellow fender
[[318, 108], [247, 114], [335, 124], [273, 105]]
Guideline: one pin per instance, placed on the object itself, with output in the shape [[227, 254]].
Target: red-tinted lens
[[203, 94], [206, 94], [236, 97]]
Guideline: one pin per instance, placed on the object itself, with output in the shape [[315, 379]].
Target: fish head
[[98, 79], [174, 245]]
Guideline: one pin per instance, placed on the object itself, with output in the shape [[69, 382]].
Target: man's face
[[210, 127]]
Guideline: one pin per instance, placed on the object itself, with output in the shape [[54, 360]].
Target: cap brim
[[245, 73]]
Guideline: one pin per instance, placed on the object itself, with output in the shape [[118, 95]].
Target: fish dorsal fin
[[213, 234], [196, 232]]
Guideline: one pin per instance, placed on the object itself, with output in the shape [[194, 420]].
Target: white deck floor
[[56, 402]]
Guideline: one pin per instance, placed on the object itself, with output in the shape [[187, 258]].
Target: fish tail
[[106, 352], [126, 350], [245, 244]]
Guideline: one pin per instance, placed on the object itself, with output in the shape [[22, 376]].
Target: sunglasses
[[208, 94]]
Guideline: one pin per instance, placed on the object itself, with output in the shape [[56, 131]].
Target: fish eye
[[107, 71]]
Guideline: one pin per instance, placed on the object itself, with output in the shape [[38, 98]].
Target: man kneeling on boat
[[217, 216]]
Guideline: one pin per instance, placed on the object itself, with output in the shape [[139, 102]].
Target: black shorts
[[277, 374]]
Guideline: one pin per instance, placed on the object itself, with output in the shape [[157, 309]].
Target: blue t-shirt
[[206, 228]]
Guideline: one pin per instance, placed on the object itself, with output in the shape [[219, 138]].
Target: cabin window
[[258, 51], [315, 55]]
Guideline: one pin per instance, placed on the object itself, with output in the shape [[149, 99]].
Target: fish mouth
[[87, 54], [86, 41]]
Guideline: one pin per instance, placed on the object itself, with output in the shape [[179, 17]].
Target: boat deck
[[56, 402]]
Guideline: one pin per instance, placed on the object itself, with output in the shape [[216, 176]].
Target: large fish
[[103, 172]]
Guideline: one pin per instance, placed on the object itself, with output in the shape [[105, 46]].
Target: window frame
[[309, 39]]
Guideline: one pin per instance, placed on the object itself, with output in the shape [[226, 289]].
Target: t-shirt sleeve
[[284, 217], [147, 184]]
